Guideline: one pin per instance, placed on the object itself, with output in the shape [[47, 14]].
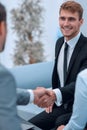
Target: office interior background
[[50, 33]]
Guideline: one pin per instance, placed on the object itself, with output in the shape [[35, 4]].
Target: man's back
[[8, 112]]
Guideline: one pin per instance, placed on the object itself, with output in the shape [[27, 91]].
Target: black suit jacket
[[77, 63]]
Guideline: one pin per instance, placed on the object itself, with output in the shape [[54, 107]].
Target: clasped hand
[[44, 98]]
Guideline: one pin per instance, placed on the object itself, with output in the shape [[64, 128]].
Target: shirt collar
[[73, 41]]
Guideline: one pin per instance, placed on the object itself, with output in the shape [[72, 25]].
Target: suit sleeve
[[23, 96]]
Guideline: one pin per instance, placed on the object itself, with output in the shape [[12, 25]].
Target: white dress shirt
[[79, 116], [72, 43]]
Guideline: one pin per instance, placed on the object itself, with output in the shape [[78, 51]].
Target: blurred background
[[32, 31]]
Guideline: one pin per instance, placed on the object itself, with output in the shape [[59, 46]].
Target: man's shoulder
[[83, 37], [60, 39], [4, 72], [2, 69]]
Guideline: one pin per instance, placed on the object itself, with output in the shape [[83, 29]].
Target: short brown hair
[[73, 7], [2, 13]]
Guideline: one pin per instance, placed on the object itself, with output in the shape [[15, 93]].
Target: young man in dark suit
[[64, 76]]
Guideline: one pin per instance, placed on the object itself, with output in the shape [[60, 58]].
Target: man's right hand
[[61, 127], [43, 97]]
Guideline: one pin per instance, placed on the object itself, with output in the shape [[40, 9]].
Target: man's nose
[[66, 22]]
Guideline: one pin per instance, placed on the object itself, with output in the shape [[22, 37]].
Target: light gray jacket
[[22, 96], [8, 111]]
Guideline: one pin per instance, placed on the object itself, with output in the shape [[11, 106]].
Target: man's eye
[[71, 19], [62, 18]]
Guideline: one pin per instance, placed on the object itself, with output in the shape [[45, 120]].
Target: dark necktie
[[65, 61]]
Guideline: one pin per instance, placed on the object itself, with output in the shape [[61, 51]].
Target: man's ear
[[1, 28], [3, 31]]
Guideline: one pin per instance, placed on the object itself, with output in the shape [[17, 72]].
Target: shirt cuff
[[58, 97], [31, 95]]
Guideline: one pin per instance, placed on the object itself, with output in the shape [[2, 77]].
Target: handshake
[[44, 98]]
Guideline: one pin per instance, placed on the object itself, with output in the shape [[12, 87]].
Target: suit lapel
[[58, 47], [55, 77], [76, 51]]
